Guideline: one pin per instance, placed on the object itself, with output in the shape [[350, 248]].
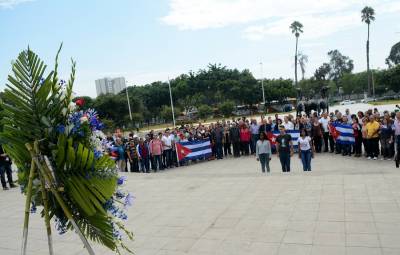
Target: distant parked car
[[367, 100], [347, 102]]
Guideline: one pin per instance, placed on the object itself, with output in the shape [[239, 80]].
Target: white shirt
[[167, 142], [324, 123], [288, 126], [304, 144]]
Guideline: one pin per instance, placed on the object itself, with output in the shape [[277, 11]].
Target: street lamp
[[129, 104], [172, 103], [262, 83]]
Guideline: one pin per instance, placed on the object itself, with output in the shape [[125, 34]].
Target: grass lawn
[[383, 102]]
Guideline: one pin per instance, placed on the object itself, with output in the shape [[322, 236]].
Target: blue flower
[[62, 82], [41, 81], [129, 200], [121, 180], [97, 154], [119, 194], [60, 129]]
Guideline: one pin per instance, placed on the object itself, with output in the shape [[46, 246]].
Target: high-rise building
[[110, 85]]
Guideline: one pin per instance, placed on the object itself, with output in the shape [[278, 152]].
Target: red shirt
[[245, 135]]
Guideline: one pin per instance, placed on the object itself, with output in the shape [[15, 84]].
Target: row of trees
[[367, 16], [218, 89]]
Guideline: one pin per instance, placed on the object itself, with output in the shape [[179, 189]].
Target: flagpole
[[172, 103]]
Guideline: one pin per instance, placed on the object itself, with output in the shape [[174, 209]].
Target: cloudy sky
[[145, 41]]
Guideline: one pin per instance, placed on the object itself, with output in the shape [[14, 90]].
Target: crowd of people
[[375, 135]]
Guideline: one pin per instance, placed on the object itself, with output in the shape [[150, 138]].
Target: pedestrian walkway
[[344, 206]]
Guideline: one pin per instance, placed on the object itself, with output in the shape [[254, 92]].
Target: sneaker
[[5, 188], [375, 158], [369, 157], [13, 186], [382, 158], [389, 159]]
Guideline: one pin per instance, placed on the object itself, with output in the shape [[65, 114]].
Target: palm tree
[[296, 28], [303, 60], [367, 15]]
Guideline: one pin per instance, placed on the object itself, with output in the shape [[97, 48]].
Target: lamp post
[[129, 104], [172, 103], [262, 83]]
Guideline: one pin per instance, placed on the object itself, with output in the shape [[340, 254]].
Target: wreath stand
[[42, 166]]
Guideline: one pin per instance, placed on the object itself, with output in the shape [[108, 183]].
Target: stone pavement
[[344, 206]]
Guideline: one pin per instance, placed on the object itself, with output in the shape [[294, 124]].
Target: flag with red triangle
[[182, 151]]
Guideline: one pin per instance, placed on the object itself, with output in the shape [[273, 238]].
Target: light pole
[[262, 83], [172, 103], [129, 104]]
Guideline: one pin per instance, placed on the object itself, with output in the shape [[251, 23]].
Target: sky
[[147, 41]]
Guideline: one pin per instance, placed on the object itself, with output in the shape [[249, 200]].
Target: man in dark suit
[[5, 169]]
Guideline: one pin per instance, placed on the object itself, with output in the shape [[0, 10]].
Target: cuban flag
[[342, 133], [295, 134], [193, 150]]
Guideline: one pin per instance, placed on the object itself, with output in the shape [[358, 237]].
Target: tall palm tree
[[367, 16], [296, 28], [303, 60]]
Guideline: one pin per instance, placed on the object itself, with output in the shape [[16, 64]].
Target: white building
[[110, 85]]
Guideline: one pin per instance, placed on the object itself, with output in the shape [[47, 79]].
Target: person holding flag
[[284, 148]]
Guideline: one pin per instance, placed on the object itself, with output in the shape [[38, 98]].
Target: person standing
[[254, 129], [317, 135], [227, 141], [357, 137], [167, 141], [245, 138], [263, 152], [372, 128], [324, 123], [306, 150], [133, 157], [156, 150], [235, 139], [396, 126], [121, 152], [5, 169], [218, 138], [144, 155], [284, 148], [386, 133]]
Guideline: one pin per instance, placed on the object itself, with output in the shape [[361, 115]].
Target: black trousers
[[134, 165], [326, 138], [167, 156], [244, 147], [331, 144], [358, 145], [219, 150], [236, 149], [6, 170], [317, 143], [373, 147], [227, 149]]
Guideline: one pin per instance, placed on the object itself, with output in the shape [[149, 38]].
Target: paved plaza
[[344, 206]]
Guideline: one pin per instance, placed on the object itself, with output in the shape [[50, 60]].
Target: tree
[[339, 65], [166, 113], [296, 28], [226, 108], [367, 16], [204, 111], [394, 56], [322, 72], [303, 60]]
